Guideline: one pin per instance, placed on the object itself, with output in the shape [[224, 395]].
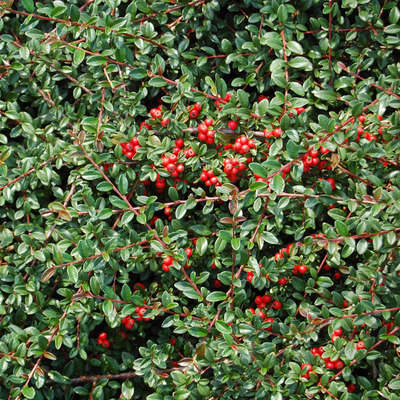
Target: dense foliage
[[199, 200]]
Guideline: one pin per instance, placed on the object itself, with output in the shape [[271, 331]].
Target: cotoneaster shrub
[[199, 200]]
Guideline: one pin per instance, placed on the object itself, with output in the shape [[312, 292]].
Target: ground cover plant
[[199, 199]]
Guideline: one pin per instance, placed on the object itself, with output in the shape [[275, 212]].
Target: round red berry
[[276, 305]]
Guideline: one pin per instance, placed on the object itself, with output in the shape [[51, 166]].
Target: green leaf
[[108, 307], [216, 296], [96, 60], [173, 194], [328, 95], [201, 230], [138, 73], [292, 149], [226, 46], [295, 47], [236, 244], [28, 392], [258, 170], [72, 273], [341, 228], [277, 184], [350, 350], [282, 14], [157, 82], [300, 62], [79, 55], [127, 390], [223, 327], [201, 245], [197, 331], [180, 211], [30, 7], [394, 384]]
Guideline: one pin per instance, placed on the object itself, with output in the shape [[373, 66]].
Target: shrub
[[199, 200]]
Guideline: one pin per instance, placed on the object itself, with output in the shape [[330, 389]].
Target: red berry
[[193, 113], [276, 305], [300, 110], [103, 336], [197, 107], [208, 121], [303, 269], [339, 365], [179, 142], [360, 346], [351, 388], [270, 320], [258, 300], [261, 314], [324, 150], [189, 252], [330, 365], [282, 281], [277, 132], [315, 351], [217, 284], [337, 275], [232, 125], [168, 260], [202, 137], [361, 118], [266, 298], [337, 332], [180, 168], [129, 324]]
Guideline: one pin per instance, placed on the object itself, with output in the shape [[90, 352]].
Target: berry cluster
[[209, 178], [128, 321], [218, 103], [194, 111], [130, 148], [156, 112], [367, 135], [277, 132], [170, 164], [103, 341], [189, 153], [299, 269], [262, 315], [167, 262], [243, 145], [310, 159], [206, 133], [232, 167], [280, 254]]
